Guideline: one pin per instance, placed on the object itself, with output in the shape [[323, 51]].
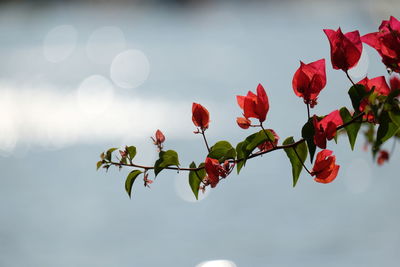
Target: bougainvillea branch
[[375, 104]]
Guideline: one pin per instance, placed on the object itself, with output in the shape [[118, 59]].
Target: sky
[[78, 79]]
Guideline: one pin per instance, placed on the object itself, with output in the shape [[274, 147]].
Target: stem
[[302, 163], [293, 145], [205, 140], [348, 76], [269, 139], [308, 110], [393, 147]]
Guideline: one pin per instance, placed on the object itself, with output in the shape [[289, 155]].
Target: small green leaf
[[307, 132], [296, 159], [395, 117], [241, 155], [109, 153], [99, 164], [357, 93], [166, 159], [195, 178], [131, 152], [387, 128], [222, 151], [260, 138], [130, 179], [351, 129]]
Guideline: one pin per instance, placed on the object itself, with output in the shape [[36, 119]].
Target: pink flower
[[200, 116], [309, 80], [383, 157], [325, 169], [254, 106], [325, 129], [386, 42], [345, 48]]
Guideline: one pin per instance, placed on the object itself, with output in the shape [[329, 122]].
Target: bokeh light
[[217, 263], [59, 43], [361, 69], [130, 69], [104, 44], [95, 94], [183, 190]]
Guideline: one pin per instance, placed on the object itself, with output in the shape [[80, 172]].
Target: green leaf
[[395, 117], [307, 132], [246, 147], [241, 155], [259, 138], [357, 93], [109, 153], [222, 151], [166, 159], [195, 178], [297, 160], [387, 128], [351, 129], [99, 164], [131, 152], [130, 179]]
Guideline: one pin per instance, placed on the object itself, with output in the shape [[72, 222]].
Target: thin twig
[[205, 140], [257, 154], [348, 76]]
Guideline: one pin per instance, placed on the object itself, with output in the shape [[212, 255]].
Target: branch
[[257, 154]]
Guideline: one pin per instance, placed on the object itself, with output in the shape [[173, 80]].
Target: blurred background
[[78, 77]]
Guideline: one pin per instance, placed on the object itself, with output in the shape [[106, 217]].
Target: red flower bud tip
[[395, 82], [387, 43], [325, 129], [309, 80], [123, 153], [147, 181], [380, 87], [268, 145], [325, 170], [345, 48], [160, 138], [243, 123], [383, 157], [200, 116], [254, 106]]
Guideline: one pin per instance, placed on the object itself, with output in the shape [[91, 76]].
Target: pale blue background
[[58, 211]]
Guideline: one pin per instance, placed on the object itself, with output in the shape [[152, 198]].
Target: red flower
[[325, 129], [383, 157], [395, 82], [268, 145], [243, 123], [325, 169], [214, 170], [345, 48], [380, 87], [160, 138], [309, 80], [387, 43], [254, 106], [200, 116]]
